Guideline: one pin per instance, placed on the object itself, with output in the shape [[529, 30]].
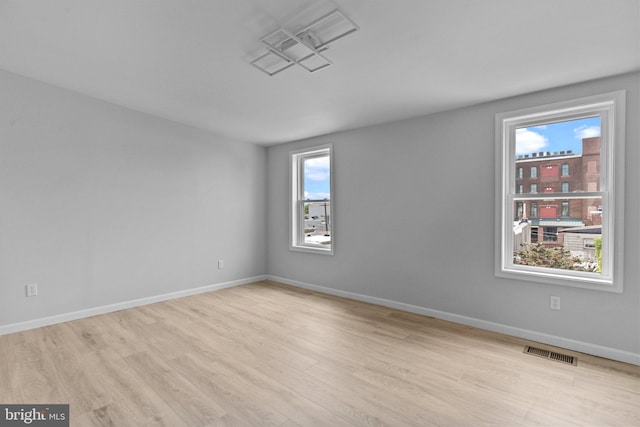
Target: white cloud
[[316, 196], [317, 169], [528, 141], [586, 132]]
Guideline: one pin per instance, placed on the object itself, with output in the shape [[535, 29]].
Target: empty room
[[320, 213]]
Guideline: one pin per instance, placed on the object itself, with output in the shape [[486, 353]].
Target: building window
[[592, 130], [520, 173], [534, 188], [534, 210], [534, 172], [312, 223], [550, 234], [519, 210]]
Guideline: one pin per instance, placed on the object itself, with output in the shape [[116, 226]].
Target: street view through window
[[317, 201], [557, 211]]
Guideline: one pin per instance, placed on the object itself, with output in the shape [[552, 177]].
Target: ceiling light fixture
[[287, 48]]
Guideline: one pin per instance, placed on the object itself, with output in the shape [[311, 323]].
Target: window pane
[[561, 234], [317, 178], [569, 149], [317, 223]]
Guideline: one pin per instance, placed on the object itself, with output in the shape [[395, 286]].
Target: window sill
[[311, 250], [560, 279]]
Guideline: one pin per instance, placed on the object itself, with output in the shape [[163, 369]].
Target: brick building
[[559, 172]]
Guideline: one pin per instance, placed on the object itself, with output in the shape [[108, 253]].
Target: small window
[[534, 188], [520, 173], [584, 137], [534, 172], [311, 204], [519, 188], [550, 234]]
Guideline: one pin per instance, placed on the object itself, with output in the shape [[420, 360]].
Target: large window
[[312, 224], [588, 134]]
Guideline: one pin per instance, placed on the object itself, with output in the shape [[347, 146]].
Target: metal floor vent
[[552, 355]]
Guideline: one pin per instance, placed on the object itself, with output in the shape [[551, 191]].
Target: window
[[520, 173], [519, 188], [534, 188], [312, 224], [534, 172], [591, 131], [550, 234]]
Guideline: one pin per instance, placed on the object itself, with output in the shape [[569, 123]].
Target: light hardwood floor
[[268, 354]]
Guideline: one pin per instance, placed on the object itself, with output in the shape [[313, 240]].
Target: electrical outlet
[[32, 289], [554, 303], [220, 264]]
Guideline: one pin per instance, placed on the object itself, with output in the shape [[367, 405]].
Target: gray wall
[[430, 243], [100, 204]]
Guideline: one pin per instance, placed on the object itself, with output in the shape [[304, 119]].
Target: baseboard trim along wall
[[81, 314], [580, 346]]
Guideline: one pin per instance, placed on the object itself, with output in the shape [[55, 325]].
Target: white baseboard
[[580, 346], [94, 311]]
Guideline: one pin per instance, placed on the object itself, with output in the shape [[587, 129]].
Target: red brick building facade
[[559, 172]]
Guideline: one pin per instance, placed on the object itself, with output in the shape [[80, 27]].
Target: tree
[[598, 244], [540, 256]]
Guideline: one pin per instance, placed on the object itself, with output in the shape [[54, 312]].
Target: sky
[[317, 178], [554, 137]]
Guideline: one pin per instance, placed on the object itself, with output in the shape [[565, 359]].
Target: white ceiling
[[188, 60]]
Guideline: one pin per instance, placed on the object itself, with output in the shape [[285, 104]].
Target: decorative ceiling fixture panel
[[303, 47]]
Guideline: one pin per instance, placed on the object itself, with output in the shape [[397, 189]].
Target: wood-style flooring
[[268, 354]]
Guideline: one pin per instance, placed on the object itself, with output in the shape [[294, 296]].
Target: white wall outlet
[[220, 264], [32, 289], [554, 303]]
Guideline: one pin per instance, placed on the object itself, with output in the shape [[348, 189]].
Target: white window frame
[[611, 109], [296, 209]]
